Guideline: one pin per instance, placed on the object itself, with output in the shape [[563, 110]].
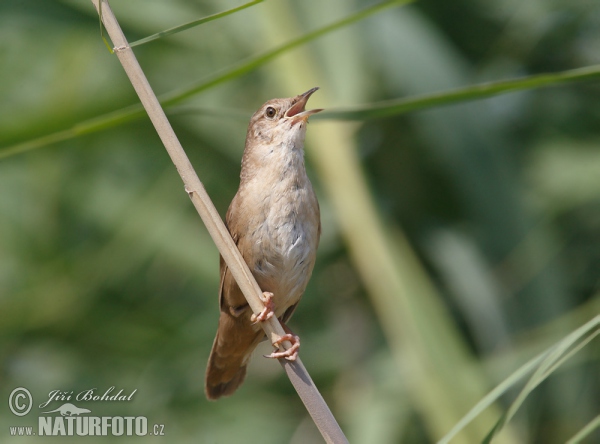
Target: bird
[[274, 220]]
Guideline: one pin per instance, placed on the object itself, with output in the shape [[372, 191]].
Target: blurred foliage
[[108, 278]]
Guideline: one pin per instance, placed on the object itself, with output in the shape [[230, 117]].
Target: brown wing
[[231, 298], [235, 340]]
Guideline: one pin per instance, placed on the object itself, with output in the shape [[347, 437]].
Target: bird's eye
[[271, 112]]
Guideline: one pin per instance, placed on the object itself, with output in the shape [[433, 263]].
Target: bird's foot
[[268, 311], [291, 353]]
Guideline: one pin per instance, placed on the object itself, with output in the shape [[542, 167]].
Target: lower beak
[[297, 110], [304, 115]]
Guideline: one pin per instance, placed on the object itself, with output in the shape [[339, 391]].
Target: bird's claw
[[268, 311], [291, 353]]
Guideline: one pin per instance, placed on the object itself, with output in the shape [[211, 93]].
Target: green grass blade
[[40, 142], [243, 67], [556, 358], [254, 62], [492, 396], [545, 361], [394, 107], [93, 125], [586, 431], [193, 24]]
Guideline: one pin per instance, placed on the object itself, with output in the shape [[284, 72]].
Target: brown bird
[[274, 220]]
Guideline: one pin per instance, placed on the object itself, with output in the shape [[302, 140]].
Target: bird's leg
[[291, 353], [268, 311]]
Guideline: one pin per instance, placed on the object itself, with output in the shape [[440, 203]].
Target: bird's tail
[[228, 359]]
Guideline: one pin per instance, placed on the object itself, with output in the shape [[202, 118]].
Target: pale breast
[[283, 237]]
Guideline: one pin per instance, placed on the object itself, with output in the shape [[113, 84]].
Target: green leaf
[[192, 24], [136, 111], [545, 363], [254, 62], [586, 431], [394, 107], [555, 359]]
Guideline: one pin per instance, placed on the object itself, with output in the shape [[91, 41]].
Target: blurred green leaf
[[394, 107], [594, 424], [193, 24], [136, 111], [561, 352], [544, 364]]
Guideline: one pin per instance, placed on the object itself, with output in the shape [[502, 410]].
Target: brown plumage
[[275, 223]]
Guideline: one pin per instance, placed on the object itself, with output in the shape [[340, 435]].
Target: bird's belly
[[285, 246]]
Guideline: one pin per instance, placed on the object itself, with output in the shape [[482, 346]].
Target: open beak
[[298, 112]]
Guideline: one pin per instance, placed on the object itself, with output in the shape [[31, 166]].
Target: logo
[[69, 419], [17, 403], [69, 410]]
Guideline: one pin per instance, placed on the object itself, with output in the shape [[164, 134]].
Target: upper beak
[[297, 110]]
